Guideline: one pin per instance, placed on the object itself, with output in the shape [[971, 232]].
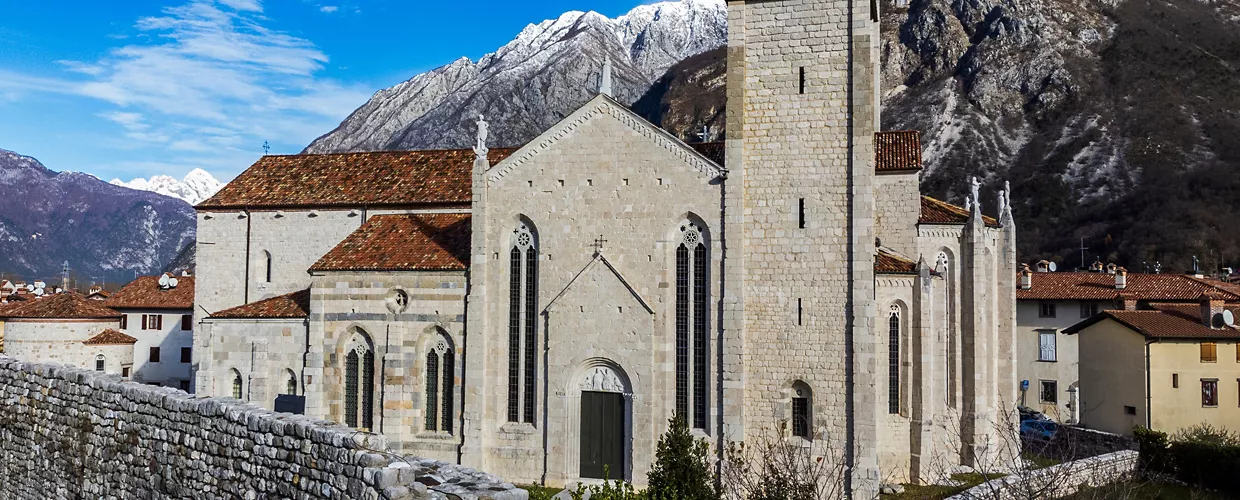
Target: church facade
[[540, 312]]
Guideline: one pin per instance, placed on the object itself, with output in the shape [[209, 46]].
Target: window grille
[[99, 363], [700, 316], [682, 332], [350, 388], [432, 390], [236, 386], [449, 388], [514, 337], [523, 326], [800, 417], [893, 361], [368, 390], [531, 329]]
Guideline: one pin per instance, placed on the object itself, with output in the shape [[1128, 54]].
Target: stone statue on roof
[[975, 187], [480, 149]]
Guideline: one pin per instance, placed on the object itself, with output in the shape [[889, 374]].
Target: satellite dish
[[1229, 319], [163, 281], [1053, 267], [172, 282], [38, 292], [29, 288]]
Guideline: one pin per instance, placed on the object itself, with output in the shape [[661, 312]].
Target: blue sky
[[133, 89]]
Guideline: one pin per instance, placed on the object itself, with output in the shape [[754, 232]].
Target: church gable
[[586, 120], [599, 284]]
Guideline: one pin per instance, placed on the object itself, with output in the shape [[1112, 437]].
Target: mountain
[[197, 186], [528, 85], [104, 232]]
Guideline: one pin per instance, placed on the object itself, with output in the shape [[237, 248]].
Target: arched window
[[440, 366], [359, 383], [99, 363], [266, 266], [522, 325], [802, 411], [236, 384], [692, 320], [291, 387], [893, 360]]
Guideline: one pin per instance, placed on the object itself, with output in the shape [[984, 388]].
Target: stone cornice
[[603, 105]]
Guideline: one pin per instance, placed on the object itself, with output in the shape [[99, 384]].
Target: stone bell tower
[[798, 317]]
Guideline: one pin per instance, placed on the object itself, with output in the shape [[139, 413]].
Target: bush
[[682, 466], [609, 490], [1154, 455], [1202, 456]]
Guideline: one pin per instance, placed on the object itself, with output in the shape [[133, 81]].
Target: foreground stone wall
[[1057, 481], [72, 433]]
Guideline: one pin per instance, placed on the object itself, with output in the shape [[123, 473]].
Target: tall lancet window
[[893, 361], [359, 383], [692, 325], [522, 325], [440, 366]]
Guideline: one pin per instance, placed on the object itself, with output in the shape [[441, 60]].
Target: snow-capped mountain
[[104, 232], [526, 86], [197, 186]]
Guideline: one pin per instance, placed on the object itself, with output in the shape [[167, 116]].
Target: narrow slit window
[[802, 84], [874, 10], [800, 315], [801, 213]]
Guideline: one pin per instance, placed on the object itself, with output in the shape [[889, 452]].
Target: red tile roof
[[407, 242], [145, 293], [1101, 286], [110, 337], [67, 305], [288, 306], [898, 151], [1164, 321], [889, 263], [941, 212], [388, 178]]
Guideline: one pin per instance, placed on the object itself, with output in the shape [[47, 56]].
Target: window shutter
[[187, 322], [159, 322], [144, 324], [1046, 343], [125, 326]]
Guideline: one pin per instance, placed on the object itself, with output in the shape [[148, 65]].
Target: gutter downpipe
[[1148, 400], [249, 218]]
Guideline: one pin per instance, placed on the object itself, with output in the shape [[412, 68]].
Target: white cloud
[[207, 76], [329, 8]]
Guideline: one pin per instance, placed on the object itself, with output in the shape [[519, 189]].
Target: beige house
[[1048, 360], [541, 311], [67, 328], [1166, 366]]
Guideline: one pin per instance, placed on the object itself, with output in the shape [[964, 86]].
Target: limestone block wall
[[72, 433], [897, 207], [1058, 481], [266, 353], [58, 341], [895, 296], [170, 339], [352, 305], [602, 174]]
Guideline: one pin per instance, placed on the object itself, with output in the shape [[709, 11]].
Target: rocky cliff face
[[105, 232], [531, 83]]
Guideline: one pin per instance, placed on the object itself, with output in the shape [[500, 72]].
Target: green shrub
[[682, 466], [1154, 455], [1207, 457], [609, 490]]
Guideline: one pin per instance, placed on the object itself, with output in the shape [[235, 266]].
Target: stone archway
[[600, 417]]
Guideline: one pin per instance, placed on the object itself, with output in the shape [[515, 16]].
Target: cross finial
[[266, 147], [598, 244]]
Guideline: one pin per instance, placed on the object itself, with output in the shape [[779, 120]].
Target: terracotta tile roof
[[1164, 321], [1101, 286], [387, 178], [898, 151], [407, 242], [110, 337], [941, 212], [145, 293], [67, 305], [288, 306], [886, 262], [100, 294], [713, 151]]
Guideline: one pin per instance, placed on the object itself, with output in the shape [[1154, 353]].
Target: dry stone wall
[[72, 433]]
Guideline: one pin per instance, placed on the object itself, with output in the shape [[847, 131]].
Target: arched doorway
[[604, 421]]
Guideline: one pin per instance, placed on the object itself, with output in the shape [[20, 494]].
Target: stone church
[[541, 311]]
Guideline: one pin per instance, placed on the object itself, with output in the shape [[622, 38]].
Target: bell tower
[[802, 112]]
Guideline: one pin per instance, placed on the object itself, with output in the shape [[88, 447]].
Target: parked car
[[1041, 430], [1027, 413]]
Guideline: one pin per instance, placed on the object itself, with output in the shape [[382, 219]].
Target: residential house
[[158, 312], [69, 329], [1166, 366], [1050, 302]]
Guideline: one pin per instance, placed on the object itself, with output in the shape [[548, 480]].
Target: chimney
[[1026, 277], [1211, 305], [1044, 266], [1128, 301], [1121, 278], [1111, 268]]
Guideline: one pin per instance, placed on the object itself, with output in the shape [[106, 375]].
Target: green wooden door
[[602, 435]]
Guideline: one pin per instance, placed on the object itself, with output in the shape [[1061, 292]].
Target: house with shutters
[[158, 313], [1049, 361], [1165, 366], [541, 311], [66, 328]]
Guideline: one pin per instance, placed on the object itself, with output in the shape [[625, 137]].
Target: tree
[[682, 467]]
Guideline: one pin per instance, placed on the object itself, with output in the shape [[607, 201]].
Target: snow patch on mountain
[[197, 186], [534, 81]]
